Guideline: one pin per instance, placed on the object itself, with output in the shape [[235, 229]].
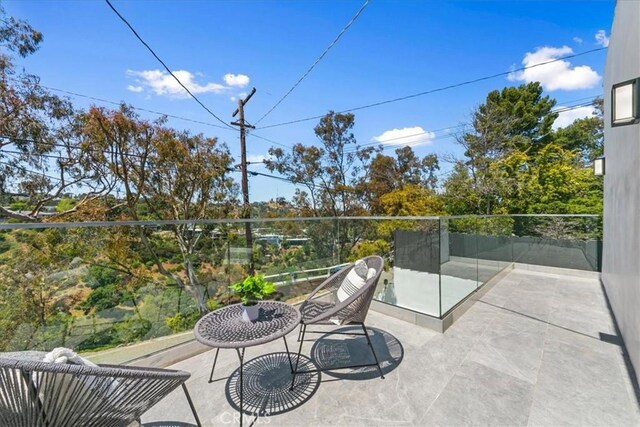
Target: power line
[[292, 181], [586, 98], [285, 179], [322, 55], [253, 173], [567, 108], [107, 101], [93, 98], [32, 172], [440, 89], [19, 153], [164, 65], [445, 136], [571, 107], [69, 146], [462, 125], [269, 140], [426, 132], [558, 110], [76, 94]]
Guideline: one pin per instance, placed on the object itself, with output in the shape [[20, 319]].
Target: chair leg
[[193, 409], [302, 327], [366, 334], [295, 370], [215, 359]]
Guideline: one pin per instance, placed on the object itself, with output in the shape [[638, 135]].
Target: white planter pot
[[250, 313]]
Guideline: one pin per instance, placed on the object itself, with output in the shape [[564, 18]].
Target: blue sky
[[394, 49]]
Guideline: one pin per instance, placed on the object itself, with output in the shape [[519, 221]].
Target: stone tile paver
[[538, 349]]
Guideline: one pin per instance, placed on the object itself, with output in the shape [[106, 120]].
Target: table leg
[[241, 357], [214, 365], [288, 353]]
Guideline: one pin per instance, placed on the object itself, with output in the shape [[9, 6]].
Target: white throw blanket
[[65, 355]]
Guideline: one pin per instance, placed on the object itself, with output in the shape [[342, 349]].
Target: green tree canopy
[[514, 162], [330, 171]]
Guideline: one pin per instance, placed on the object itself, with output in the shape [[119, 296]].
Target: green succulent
[[253, 289]]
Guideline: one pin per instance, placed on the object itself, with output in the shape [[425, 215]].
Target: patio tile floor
[[537, 349]]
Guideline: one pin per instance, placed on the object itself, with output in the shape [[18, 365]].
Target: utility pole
[[246, 207]]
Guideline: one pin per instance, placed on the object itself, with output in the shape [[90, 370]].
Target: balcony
[[490, 320], [539, 348]]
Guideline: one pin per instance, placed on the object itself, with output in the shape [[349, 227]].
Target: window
[[624, 100]]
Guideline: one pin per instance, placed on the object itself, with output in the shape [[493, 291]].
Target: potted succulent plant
[[251, 290]]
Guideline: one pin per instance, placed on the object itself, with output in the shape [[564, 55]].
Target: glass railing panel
[[296, 256], [459, 263], [558, 241], [101, 288], [410, 248], [495, 250], [96, 288]]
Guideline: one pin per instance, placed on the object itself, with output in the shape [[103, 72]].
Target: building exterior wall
[[621, 254]]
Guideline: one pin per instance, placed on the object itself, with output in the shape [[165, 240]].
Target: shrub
[[105, 297], [125, 332], [101, 276], [18, 206], [181, 322], [213, 304], [65, 205], [4, 245]]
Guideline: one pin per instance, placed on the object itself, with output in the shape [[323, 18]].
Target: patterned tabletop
[[224, 328]]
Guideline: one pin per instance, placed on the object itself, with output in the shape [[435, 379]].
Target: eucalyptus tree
[[176, 175], [388, 174], [329, 169], [39, 154]]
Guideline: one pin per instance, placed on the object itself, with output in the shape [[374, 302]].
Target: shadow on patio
[[267, 378]]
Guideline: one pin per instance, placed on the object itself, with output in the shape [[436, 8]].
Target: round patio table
[[225, 328]]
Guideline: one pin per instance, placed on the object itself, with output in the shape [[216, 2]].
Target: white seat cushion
[[356, 278]]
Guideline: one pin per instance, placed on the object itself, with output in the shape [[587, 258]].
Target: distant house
[[271, 239], [296, 241]]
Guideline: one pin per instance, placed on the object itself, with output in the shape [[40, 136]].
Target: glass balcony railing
[[101, 286]]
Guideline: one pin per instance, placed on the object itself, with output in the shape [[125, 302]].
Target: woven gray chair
[[322, 307], [39, 394]]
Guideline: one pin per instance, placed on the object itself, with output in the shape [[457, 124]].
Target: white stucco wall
[[621, 254]]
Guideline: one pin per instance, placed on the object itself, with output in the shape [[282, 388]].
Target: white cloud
[[578, 40], [601, 38], [162, 83], [411, 136], [565, 118], [559, 75], [236, 80]]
